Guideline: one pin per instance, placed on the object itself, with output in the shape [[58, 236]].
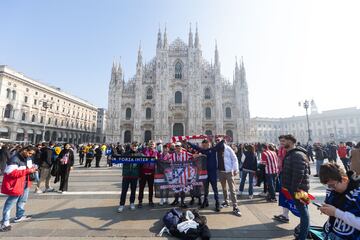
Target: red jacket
[[16, 175], [149, 168], [342, 152]]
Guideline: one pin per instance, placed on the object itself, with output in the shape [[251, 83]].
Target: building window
[[55, 122], [148, 113], [228, 112], [208, 113], [35, 101], [13, 94], [178, 70], [42, 119], [178, 97], [23, 117], [33, 118], [207, 93], [147, 135], [8, 93], [8, 111], [149, 93], [49, 120], [26, 99], [127, 136], [128, 114]]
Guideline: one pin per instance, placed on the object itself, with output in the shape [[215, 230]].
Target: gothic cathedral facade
[[177, 93]]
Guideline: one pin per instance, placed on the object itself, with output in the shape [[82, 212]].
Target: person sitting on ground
[[342, 203]]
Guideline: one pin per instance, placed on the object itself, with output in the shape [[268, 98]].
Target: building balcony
[[177, 107]]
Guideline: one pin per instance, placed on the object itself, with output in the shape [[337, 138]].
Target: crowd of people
[[285, 165]]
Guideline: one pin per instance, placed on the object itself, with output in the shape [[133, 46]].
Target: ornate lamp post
[[306, 104], [45, 105]]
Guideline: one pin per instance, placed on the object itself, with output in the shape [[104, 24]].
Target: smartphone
[[317, 204]]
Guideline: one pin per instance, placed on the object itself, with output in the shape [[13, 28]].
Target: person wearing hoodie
[[130, 174], [295, 179], [16, 184], [147, 172], [342, 203]]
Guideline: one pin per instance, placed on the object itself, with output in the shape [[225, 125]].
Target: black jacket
[[296, 170], [250, 162], [46, 157]]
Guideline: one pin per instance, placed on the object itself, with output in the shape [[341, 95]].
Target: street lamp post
[[306, 105], [45, 106]]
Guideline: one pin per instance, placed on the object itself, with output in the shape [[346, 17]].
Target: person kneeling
[[342, 203]]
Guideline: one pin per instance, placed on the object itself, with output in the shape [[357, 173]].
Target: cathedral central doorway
[[147, 135], [178, 129]]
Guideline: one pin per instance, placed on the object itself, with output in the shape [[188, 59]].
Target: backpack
[[172, 218], [90, 154]]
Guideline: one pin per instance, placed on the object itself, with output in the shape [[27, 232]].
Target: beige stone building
[[27, 106]]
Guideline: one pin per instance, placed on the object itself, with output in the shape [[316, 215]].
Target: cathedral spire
[[139, 58], [243, 74], [159, 41], [191, 44], [217, 63], [197, 43], [165, 39], [113, 72], [237, 71]]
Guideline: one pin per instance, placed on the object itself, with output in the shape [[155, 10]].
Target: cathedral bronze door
[[178, 129], [147, 136]]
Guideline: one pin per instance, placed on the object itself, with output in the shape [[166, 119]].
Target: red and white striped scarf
[[182, 138]]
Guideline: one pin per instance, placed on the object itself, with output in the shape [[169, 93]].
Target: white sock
[[285, 212]]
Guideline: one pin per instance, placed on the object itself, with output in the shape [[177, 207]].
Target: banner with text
[[132, 159]]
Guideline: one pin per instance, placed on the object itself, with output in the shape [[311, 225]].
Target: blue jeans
[[318, 164], [20, 206], [243, 179], [346, 163], [304, 219], [270, 180]]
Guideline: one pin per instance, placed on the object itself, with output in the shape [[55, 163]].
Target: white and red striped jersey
[[185, 172], [182, 156], [270, 159]]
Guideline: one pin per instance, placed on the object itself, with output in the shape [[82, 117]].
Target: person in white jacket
[[228, 167]]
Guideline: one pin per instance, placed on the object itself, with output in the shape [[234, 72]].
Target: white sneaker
[[251, 196], [22, 219], [132, 206], [240, 193], [64, 192], [161, 203], [263, 194], [120, 209], [38, 191], [49, 189]]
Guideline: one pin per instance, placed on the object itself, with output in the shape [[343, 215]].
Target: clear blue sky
[[292, 49]]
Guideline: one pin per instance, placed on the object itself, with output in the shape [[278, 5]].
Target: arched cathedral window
[[178, 70], [128, 114], [208, 113], [178, 97], [228, 112], [148, 113], [207, 93], [149, 93]]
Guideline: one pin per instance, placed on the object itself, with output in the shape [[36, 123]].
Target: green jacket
[[131, 170]]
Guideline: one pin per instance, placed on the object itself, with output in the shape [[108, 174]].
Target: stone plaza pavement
[[88, 211]]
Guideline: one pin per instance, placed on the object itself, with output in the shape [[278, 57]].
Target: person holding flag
[[296, 181], [180, 156]]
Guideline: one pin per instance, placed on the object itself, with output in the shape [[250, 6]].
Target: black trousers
[[88, 162], [64, 177], [149, 179], [213, 183], [124, 188], [81, 159], [98, 158]]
